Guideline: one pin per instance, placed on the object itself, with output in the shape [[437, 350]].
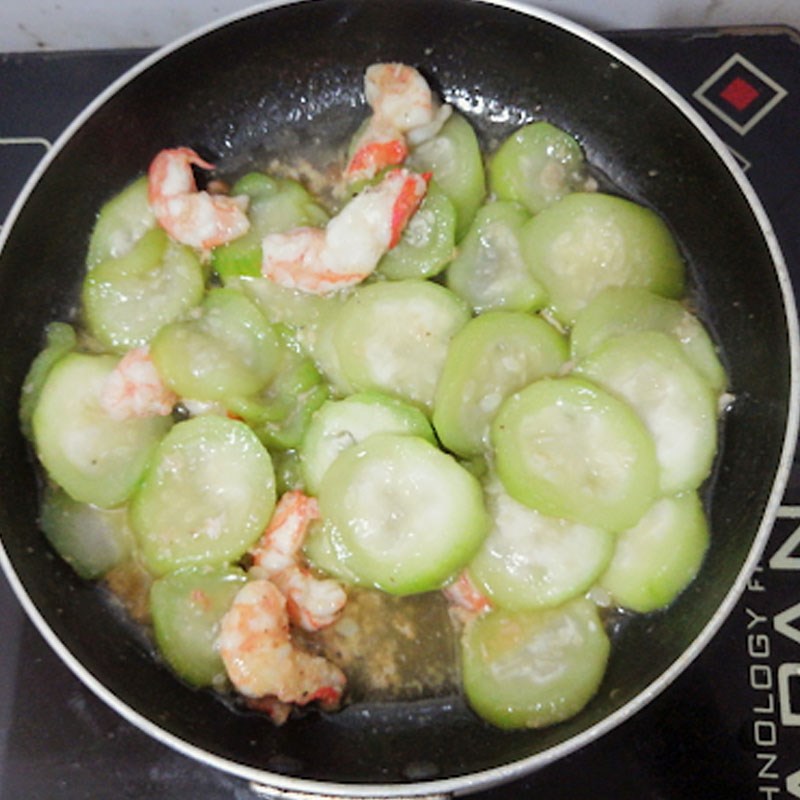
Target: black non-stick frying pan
[[273, 80]]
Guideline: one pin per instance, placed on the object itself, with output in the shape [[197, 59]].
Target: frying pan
[[273, 80]]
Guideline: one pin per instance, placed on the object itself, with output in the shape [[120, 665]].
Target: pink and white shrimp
[[347, 251], [195, 218], [262, 661], [135, 389], [279, 545], [379, 146], [404, 110], [313, 603], [398, 94], [465, 598]]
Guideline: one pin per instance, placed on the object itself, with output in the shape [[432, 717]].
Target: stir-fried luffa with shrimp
[[459, 382]]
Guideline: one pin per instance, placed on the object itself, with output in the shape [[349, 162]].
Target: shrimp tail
[[279, 545], [278, 711], [312, 603], [167, 175], [465, 599], [373, 156], [328, 697], [411, 194], [193, 157]]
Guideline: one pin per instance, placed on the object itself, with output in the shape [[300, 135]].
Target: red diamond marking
[[739, 93]]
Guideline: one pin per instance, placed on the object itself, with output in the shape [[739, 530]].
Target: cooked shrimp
[[277, 711], [312, 603], [379, 146], [279, 545], [354, 241], [135, 389], [466, 600], [198, 219], [262, 661], [398, 94], [404, 110]]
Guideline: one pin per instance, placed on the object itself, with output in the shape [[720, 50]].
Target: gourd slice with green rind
[[649, 371], [120, 224], [393, 337], [60, 339], [657, 559], [493, 355], [427, 244], [530, 560], [94, 458], [537, 165], [568, 448], [620, 310], [206, 497], [489, 270], [127, 299], [187, 607], [454, 157], [92, 540], [588, 241], [408, 516], [339, 424], [529, 669], [226, 349]]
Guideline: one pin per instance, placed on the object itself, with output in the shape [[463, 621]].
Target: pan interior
[[290, 77]]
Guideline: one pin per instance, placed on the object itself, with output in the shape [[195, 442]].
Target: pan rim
[[467, 782]]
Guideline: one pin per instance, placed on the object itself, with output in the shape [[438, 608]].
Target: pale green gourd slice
[[294, 307], [454, 157], [320, 343], [492, 356], [620, 310], [60, 339], [121, 222], [206, 497], [408, 515], [659, 557], [281, 412], [537, 165], [94, 458], [311, 317], [339, 424], [530, 560], [324, 550], [127, 299], [489, 270], [427, 244], [393, 337], [529, 669], [226, 349], [187, 607], [586, 242], [568, 448], [90, 539], [288, 471], [649, 371]]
